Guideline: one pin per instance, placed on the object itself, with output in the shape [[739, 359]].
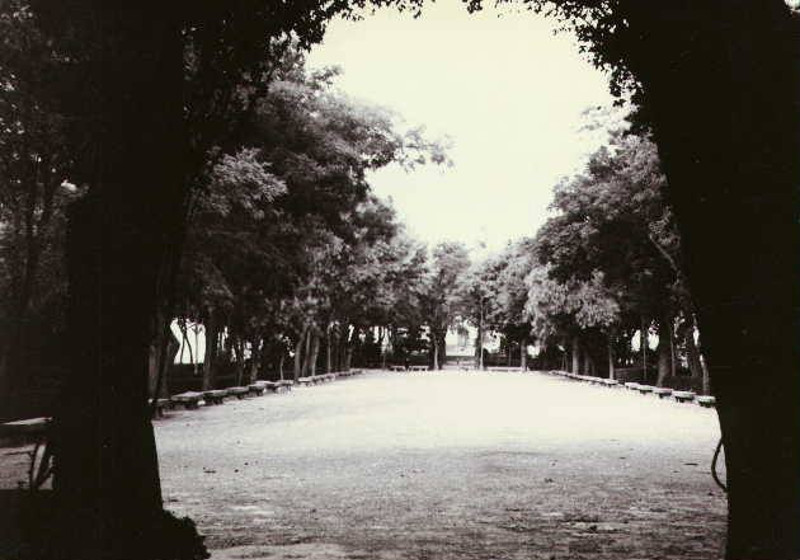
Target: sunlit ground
[[447, 465]]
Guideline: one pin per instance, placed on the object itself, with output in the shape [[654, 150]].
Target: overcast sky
[[506, 90]]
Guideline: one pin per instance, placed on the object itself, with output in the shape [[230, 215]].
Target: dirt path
[[447, 465]]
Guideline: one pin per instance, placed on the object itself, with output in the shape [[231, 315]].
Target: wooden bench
[[683, 396], [707, 401], [23, 432], [610, 382], [418, 368], [188, 400], [31, 431], [633, 386], [304, 381], [396, 368], [645, 389]]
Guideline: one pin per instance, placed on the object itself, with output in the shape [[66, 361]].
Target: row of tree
[[604, 268]]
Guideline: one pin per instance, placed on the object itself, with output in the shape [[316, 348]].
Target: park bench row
[[194, 399], [33, 429], [464, 366], [409, 368], [661, 392]]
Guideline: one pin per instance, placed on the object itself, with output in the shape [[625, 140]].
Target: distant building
[[460, 342]]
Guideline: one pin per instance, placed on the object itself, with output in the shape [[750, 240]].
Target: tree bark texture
[[119, 240], [721, 82]]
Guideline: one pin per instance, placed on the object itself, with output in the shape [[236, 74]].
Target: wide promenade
[[447, 465]]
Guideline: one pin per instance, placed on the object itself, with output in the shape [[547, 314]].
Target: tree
[[124, 236], [35, 156], [717, 83], [511, 295], [614, 218], [440, 301]]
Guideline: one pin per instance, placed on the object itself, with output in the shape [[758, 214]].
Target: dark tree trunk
[[435, 340], [314, 355], [328, 351], [210, 354], [721, 80], [298, 354], [644, 343], [120, 240], [523, 355], [255, 360], [306, 369]]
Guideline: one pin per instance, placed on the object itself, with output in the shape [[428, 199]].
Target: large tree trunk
[[721, 80], [119, 241]]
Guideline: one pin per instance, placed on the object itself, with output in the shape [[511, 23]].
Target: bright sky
[[506, 90]]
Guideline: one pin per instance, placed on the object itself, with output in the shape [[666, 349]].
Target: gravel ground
[[447, 465]]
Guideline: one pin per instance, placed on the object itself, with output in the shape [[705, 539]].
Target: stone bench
[[683, 396], [238, 392], [662, 392], [707, 401], [304, 381], [271, 386], [285, 385], [215, 396], [161, 406], [418, 368], [610, 382], [256, 389], [397, 368], [645, 389], [188, 400], [633, 386]]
